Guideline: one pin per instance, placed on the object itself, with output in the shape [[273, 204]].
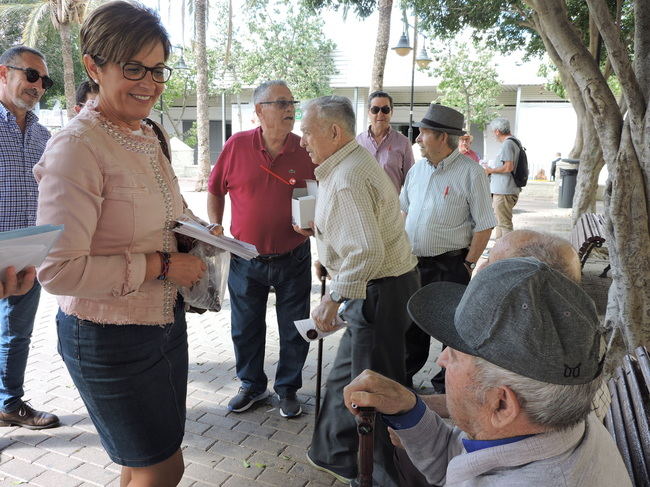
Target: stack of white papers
[[27, 246], [193, 228]]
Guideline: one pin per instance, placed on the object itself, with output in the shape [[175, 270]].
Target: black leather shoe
[[28, 417]]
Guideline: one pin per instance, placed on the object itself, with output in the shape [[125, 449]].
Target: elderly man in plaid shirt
[[362, 243], [23, 81]]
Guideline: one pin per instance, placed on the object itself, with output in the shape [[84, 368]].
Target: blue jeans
[[17, 315], [248, 284]]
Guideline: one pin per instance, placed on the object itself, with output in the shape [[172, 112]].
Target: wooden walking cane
[[365, 428], [319, 360]]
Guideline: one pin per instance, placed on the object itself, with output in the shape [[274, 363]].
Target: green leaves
[[469, 83]]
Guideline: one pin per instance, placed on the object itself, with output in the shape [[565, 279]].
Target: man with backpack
[[508, 175]]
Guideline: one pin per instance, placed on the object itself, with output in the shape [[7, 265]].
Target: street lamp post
[[180, 65], [403, 48]]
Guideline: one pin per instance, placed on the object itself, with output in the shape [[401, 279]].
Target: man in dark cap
[[524, 358], [449, 216]]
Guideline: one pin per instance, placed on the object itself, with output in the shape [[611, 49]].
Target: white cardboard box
[[303, 204]]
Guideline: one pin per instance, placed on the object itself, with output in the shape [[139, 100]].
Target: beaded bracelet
[[165, 260]]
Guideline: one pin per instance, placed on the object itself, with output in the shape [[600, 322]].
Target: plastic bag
[[209, 292]]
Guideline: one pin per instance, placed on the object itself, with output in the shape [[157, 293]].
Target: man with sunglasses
[[23, 81], [392, 150], [259, 169]]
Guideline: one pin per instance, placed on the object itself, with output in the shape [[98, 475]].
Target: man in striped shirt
[[362, 243], [449, 216], [23, 81]]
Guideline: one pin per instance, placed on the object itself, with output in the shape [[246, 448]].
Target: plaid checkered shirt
[[19, 152]]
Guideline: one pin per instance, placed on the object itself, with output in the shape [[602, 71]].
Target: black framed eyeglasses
[[33, 76], [136, 72], [282, 104], [385, 109]]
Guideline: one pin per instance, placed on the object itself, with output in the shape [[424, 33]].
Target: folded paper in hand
[[310, 332], [195, 229], [27, 246]]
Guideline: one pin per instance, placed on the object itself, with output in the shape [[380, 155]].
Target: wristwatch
[[336, 297], [471, 265]]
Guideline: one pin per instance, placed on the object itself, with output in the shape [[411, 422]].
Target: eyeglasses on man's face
[[385, 109], [33, 76], [281, 104], [136, 72]]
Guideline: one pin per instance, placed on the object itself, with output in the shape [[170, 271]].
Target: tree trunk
[[626, 202], [202, 121], [591, 163], [68, 69], [384, 9]]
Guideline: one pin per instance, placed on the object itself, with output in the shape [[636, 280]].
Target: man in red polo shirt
[[259, 169]]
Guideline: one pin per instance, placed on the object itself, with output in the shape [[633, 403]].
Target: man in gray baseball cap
[[524, 357]]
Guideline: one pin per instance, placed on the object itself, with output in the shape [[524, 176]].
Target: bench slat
[[640, 412], [639, 467], [620, 437]]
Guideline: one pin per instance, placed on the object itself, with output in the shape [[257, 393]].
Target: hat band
[[438, 125]]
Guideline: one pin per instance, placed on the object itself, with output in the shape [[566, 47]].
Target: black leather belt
[[446, 255], [273, 257]]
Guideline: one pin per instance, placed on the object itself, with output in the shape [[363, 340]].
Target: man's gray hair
[[556, 252], [262, 90], [336, 109], [10, 55], [501, 124], [452, 141], [552, 406]]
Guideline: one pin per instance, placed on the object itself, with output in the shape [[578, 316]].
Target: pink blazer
[[116, 194]]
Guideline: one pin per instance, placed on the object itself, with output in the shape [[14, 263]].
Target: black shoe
[[245, 398], [339, 477], [290, 406], [28, 417]]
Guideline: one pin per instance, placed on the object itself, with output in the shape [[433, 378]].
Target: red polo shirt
[[261, 203]]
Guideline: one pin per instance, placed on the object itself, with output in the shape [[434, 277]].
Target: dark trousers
[[374, 339], [408, 475], [432, 269], [248, 284]]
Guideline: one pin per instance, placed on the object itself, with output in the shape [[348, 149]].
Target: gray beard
[[23, 105]]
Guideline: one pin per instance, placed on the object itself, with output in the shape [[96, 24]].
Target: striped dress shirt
[[19, 152], [446, 205], [359, 230]]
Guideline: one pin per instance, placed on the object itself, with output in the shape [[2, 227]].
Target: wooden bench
[[627, 417], [588, 233]]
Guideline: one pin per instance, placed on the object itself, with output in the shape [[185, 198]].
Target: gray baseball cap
[[518, 314]]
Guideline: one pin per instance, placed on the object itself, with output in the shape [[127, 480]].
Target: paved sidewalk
[[257, 447]]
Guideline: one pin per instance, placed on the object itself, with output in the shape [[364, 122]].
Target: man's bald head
[[557, 252]]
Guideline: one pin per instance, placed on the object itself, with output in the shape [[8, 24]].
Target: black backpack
[[520, 173]]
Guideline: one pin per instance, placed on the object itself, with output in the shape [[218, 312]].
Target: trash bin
[[568, 178]]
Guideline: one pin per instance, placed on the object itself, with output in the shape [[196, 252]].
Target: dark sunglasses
[[32, 76], [136, 72], [282, 104], [385, 109]]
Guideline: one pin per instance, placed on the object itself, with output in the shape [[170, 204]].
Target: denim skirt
[[133, 381]]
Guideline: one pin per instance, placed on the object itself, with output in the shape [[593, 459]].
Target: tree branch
[[620, 59], [642, 46], [554, 22]]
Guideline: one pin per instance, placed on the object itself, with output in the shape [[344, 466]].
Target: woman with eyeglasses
[[116, 269]]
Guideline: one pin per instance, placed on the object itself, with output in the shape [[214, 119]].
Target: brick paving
[[256, 447]]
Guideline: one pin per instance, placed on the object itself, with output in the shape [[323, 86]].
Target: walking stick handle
[[365, 428]]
